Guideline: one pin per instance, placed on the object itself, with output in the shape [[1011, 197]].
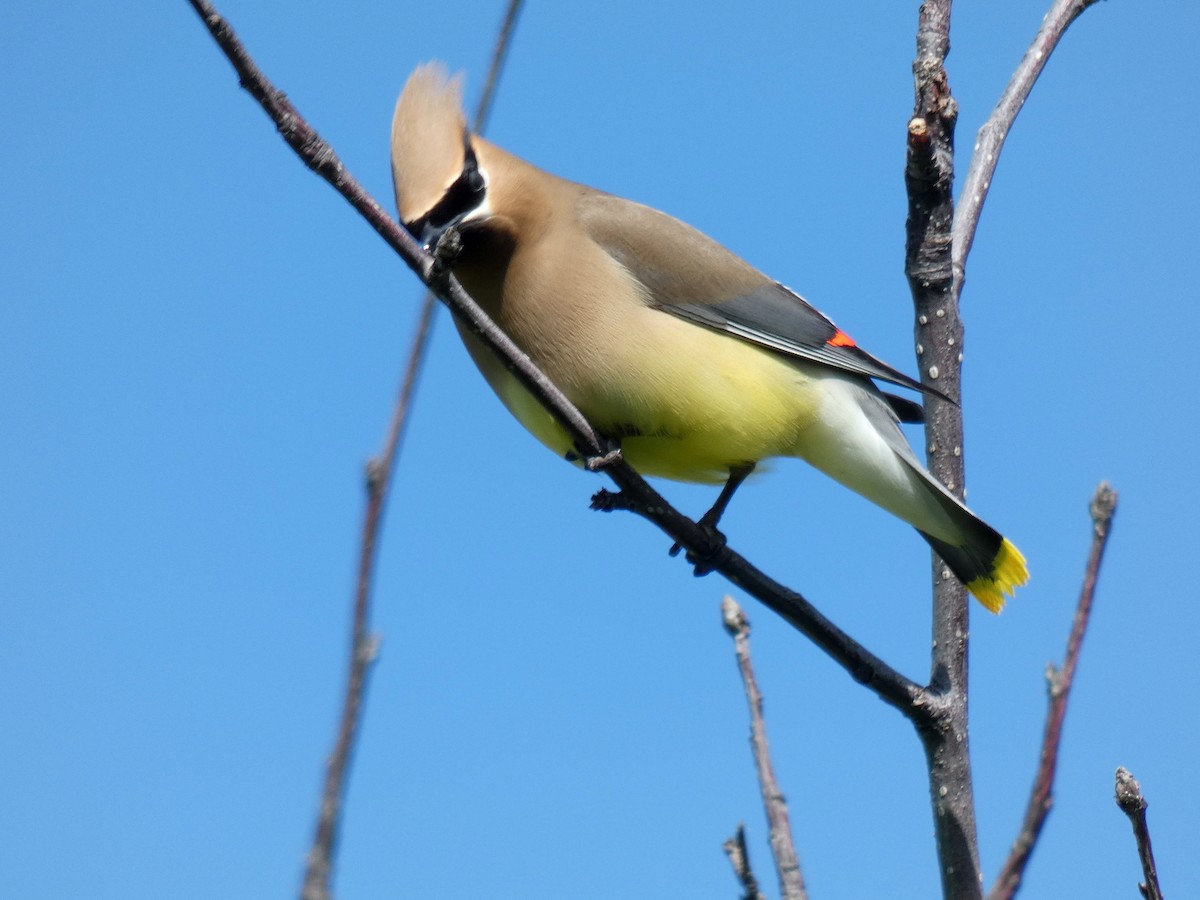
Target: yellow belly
[[685, 402]]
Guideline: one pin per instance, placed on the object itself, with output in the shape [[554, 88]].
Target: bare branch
[[783, 848], [1133, 804], [739, 858], [319, 868], [317, 875], [1103, 508], [990, 139], [499, 55], [636, 495], [929, 176], [863, 666], [938, 240]]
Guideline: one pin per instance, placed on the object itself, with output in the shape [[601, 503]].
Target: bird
[[697, 365]]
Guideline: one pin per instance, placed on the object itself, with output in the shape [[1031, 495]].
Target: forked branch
[[938, 241]]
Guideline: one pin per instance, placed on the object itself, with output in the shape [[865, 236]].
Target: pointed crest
[[427, 139]]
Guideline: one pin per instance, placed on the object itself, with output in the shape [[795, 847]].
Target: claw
[[708, 521]]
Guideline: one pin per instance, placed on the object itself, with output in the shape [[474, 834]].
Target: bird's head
[[439, 182]]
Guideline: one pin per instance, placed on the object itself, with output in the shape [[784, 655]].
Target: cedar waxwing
[[696, 363]]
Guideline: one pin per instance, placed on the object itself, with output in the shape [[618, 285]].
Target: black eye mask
[[465, 194]]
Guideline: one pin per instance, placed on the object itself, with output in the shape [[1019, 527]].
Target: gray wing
[[687, 274]]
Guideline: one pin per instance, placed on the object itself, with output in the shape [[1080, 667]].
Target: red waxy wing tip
[[841, 339]]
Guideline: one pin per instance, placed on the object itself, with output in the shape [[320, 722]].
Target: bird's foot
[[445, 252], [602, 462], [708, 558]]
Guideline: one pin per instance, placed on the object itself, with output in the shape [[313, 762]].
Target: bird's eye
[[471, 180], [467, 193]]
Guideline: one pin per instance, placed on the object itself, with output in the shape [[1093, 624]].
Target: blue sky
[[201, 344]]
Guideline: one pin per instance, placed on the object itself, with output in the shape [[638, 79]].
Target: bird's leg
[[708, 521], [737, 474]]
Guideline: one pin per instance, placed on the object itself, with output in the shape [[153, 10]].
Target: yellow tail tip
[[1008, 573]]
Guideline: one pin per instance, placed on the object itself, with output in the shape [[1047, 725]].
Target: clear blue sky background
[[200, 347]]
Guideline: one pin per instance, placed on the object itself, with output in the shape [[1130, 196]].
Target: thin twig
[[499, 55], [1133, 804], [319, 868], [990, 139], [783, 848], [1103, 508], [636, 495], [739, 858]]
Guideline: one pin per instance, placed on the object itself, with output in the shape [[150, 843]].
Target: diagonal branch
[[319, 864], [865, 667], [499, 55], [315, 153], [1103, 508], [363, 647], [990, 139], [1133, 804], [783, 847]]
